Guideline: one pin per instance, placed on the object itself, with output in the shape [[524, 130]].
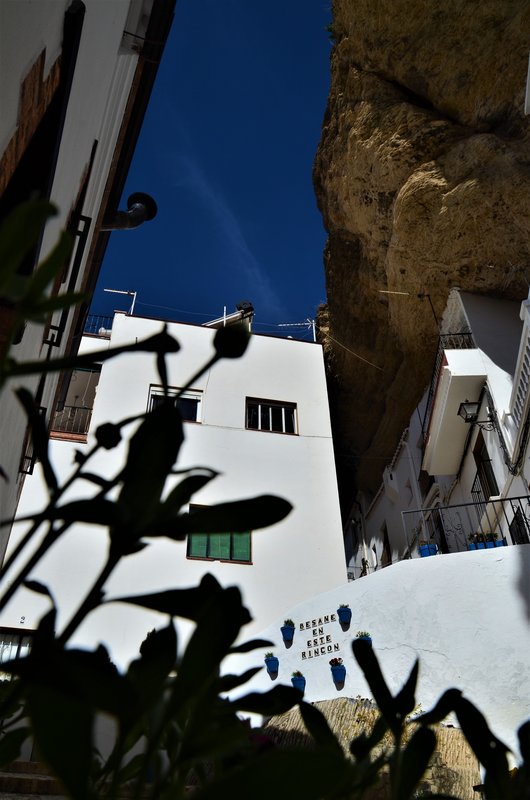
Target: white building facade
[[75, 80], [458, 483], [262, 422]]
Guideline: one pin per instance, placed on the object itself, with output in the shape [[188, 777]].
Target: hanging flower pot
[[298, 680], [287, 630], [338, 670], [344, 614], [272, 663]]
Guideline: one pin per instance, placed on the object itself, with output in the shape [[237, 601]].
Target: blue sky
[[226, 150]]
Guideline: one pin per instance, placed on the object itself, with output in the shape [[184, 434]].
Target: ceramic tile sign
[[321, 641]]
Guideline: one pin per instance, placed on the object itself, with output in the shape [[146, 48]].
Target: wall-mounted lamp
[[140, 208], [469, 413]]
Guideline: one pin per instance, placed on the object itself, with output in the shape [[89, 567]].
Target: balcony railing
[[447, 341], [451, 528], [98, 325], [72, 420]]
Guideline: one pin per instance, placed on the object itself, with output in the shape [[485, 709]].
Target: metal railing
[[98, 325], [447, 341], [72, 420], [490, 523]]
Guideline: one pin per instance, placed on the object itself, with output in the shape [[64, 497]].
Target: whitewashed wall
[[291, 561], [465, 615], [100, 90]]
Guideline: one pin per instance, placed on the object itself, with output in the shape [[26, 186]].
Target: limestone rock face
[[422, 176]]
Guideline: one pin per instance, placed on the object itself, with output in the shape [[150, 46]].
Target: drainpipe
[[140, 208]]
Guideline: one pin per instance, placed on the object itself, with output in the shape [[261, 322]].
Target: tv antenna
[[130, 294], [309, 324]]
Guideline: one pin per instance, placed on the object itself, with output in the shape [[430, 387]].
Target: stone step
[[28, 783]]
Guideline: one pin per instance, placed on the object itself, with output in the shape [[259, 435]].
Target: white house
[[458, 481], [261, 421], [75, 80]]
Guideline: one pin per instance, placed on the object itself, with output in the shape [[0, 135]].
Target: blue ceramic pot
[[427, 550], [339, 673], [298, 683], [344, 615], [272, 663], [287, 633]]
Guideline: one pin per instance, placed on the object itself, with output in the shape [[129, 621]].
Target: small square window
[[270, 415], [188, 403], [219, 546]]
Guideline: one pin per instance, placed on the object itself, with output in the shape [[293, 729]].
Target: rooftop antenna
[[309, 324], [130, 294]]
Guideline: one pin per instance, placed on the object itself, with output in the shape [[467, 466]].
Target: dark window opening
[[188, 403], [270, 415]]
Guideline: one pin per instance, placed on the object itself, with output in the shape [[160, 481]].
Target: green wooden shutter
[[197, 545], [241, 546], [219, 546]]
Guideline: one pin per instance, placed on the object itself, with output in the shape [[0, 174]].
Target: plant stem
[[92, 599]]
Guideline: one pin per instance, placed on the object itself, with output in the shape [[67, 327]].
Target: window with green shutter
[[220, 546]]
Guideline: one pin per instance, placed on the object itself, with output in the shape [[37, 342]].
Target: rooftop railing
[[98, 325]]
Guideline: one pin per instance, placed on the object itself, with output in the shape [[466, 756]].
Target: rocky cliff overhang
[[422, 176]]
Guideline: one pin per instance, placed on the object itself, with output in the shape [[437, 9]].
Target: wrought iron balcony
[[71, 421], [447, 341], [491, 522]]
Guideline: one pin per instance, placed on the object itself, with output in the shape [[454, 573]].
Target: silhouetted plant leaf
[[308, 774], [168, 512], [131, 769], [276, 701], [414, 761], [405, 700], [158, 655], [363, 744], [62, 727], [47, 270], [91, 477], [445, 706], [40, 588], [490, 751], [19, 233], [39, 435], [218, 625], [161, 342], [253, 644], [153, 450], [97, 511], [318, 727], [162, 370], [108, 435], [187, 603], [369, 664], [239, 516], [39, 312], [231, 341], [11, 745], [228, 682], [523, 735]]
